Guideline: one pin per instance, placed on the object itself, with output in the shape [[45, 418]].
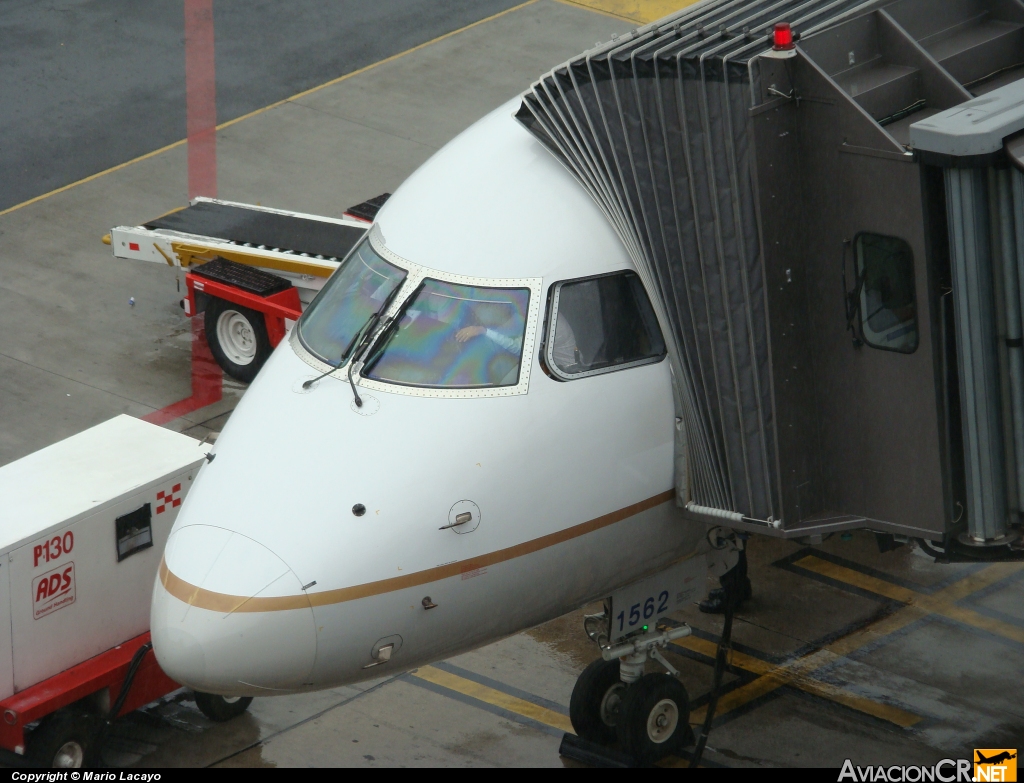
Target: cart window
[[602, 324], [888, 301], [134, 531], [357, 290], [454, 337]]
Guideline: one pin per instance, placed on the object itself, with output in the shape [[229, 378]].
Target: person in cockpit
[[510, 344]]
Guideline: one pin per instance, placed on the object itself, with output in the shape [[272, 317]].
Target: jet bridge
[[825, 200]]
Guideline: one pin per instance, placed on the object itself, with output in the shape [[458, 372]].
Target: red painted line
[[201, 124], [207, 380], [200, 99]]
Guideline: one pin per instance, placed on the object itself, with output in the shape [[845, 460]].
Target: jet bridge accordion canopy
[[759, 193]]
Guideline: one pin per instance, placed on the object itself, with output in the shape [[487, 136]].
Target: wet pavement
[[842, 652]]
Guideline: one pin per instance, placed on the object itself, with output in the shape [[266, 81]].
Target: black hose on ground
[[929, 551], [732, 592]]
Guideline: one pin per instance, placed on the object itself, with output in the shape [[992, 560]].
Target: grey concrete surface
[[878, 680], [64, 300], [90, 84]]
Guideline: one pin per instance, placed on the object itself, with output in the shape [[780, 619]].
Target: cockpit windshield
[[454, 337], [362, 285]]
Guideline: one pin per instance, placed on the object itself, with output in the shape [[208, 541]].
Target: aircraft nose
[[229, 616]]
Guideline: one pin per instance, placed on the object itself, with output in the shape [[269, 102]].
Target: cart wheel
[[222, 708], [237, 337], [595, 702], [65, 739], [655, 718]]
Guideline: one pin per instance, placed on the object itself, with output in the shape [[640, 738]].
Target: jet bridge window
[[887, 298], [601, 324], [450, 336]]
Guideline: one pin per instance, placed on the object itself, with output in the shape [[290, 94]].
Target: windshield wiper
[[385, 333], [364, 331]]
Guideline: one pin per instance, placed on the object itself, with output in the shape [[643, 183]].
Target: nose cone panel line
[[222, 561], [203, 634]]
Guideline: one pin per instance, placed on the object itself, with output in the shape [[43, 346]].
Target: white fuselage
[[270, 583]]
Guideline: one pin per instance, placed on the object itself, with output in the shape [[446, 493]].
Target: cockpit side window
[[452, 336], [601, 324]]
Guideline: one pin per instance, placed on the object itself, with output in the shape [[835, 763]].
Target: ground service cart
[[85, 522]]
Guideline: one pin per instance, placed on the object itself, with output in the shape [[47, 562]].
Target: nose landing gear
[[614, 700]]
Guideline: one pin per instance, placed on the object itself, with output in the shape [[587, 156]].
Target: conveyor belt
[[253, 227]]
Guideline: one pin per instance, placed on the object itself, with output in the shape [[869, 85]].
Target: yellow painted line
[[857, 579], [942, 602], [980, 621], [796, 673], [385, 61], [91, 177], [737, 698], [986, 577], [876, 631], [495, 697], [642, 11], [302, 94]]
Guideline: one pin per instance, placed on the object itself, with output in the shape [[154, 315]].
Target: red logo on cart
[[165, 499], [53, 590]]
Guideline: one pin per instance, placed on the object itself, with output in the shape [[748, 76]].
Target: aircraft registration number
[[640, 605]]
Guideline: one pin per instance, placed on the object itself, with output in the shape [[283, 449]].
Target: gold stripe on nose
[[224, 603]]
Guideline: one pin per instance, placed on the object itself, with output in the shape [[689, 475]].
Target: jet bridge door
[[857, 418]]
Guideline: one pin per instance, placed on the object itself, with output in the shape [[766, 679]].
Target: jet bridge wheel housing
[[654, 721], [237, 337], [595, 701]]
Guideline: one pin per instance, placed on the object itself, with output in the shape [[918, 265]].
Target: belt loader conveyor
[[251, 269]]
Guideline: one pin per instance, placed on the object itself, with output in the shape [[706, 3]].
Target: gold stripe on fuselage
[[222, 602]]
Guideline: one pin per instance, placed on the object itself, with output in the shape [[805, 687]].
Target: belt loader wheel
[[237, 337], [655, 718], [65, 740], [222, 708], [596, 698]]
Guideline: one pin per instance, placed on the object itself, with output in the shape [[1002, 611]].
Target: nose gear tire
[[655, 718], [237, 337], [219, 708], [594, 705]]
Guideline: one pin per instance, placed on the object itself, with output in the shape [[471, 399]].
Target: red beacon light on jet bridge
[[783, 42], [782, 38]]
